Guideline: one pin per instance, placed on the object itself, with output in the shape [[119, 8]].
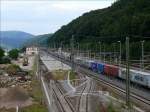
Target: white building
[[31, 50]]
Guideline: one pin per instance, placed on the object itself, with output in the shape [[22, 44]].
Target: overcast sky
[[40, 17]]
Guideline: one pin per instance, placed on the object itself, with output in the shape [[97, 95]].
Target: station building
[[31, 50]]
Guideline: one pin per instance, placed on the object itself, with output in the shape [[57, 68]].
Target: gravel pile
[[8, 81]]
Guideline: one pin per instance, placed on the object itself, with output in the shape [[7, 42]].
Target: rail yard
[[87, 91]]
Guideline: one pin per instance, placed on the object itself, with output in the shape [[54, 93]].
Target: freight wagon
[[100, 68], [142, 78], [138, 77], [94, 66], [111, 70], [88, 63]]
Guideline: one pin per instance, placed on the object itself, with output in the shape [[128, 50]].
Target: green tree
[[1, 52], [14, 53], [124, 18]]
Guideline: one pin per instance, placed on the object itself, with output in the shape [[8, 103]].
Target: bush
[[13, 69], [5, 60]]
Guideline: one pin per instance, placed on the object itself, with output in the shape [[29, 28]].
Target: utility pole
[[127, 74], [120, 54], [104, 53], [78, 50], [61, 49], [38, 58], [142, 43], [72, 52], [87, 50], [100, 50], [114, 48]]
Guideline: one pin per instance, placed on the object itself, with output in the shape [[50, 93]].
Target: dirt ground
[[12, 97]]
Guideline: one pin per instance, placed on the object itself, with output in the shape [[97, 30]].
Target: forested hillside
[[41, 40], [124, 18]]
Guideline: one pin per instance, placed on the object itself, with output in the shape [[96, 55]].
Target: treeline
[[6, 58], [124, 18]]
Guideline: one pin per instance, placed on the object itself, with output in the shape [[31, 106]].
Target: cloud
[[44, 16], [82, 5]]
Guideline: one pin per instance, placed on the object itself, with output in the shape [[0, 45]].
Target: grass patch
[[59, 74], [34, 67], [72, 75], [111, 108], [34, 108], [36, 93]]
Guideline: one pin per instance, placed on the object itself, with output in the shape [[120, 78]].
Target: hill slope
[[14, 39], [41, 40], [123, 18]]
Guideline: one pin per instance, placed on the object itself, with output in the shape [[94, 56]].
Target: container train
[[137, 77]]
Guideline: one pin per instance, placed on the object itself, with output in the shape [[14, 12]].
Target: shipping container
[[88, 63], [94, 66], [100, 68], [142, 78], [122, 73], [111, 70]]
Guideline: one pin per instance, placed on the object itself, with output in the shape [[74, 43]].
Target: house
[[31, 50]]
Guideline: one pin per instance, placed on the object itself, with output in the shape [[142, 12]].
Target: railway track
[[79, 100], [88, 95], [117, 88], [63, 103], [83, 102], [134, 96], [83, 98], [68, 107], [59, 103]]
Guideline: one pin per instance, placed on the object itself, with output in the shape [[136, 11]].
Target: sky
[[41, 17]]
